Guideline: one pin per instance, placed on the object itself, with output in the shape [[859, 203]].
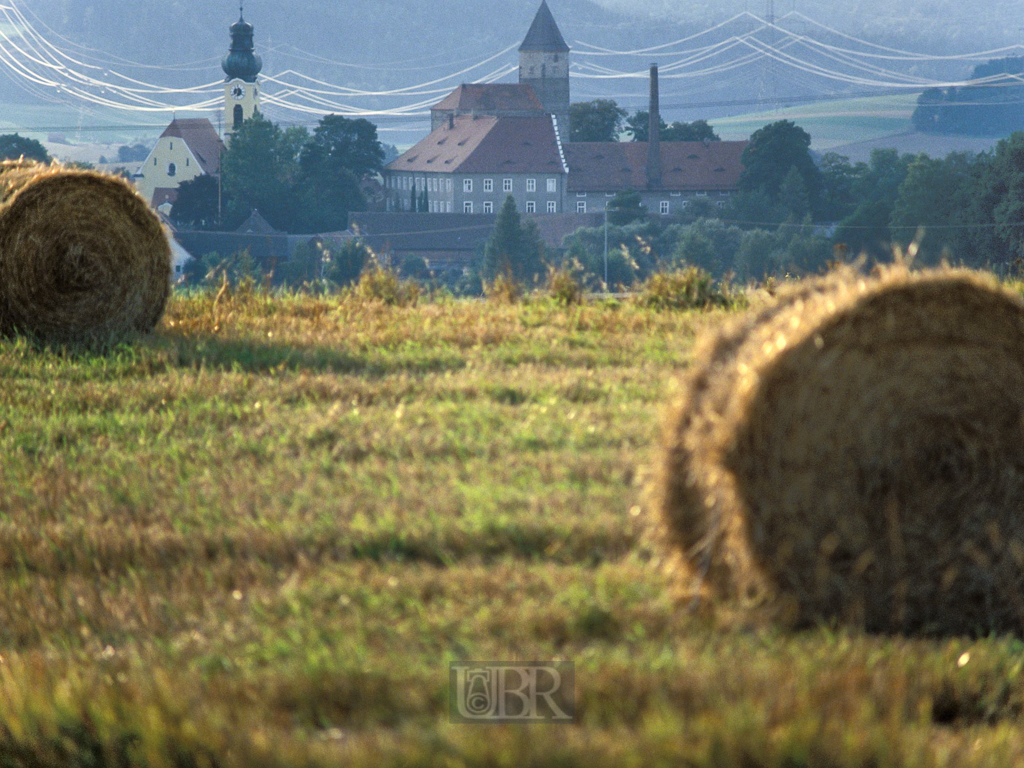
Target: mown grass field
[[260, 536]]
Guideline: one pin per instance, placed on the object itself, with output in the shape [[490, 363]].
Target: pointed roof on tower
[[544, 34]]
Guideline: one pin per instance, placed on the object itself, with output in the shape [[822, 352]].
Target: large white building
[[488, 141]]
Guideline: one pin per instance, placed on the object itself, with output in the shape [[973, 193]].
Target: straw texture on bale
[[83, 259], [855, 452]]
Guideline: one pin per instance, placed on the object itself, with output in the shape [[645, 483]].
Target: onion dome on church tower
[[242, 63]]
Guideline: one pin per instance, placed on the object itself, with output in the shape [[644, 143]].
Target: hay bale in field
[[856, 452], [83, 259]]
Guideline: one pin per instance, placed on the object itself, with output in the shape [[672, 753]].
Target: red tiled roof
[[490, 98], [685, 165], [486, 145], [201, 137], [163, 195]]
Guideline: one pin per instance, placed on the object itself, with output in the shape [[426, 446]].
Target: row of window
[[664, 207], [531, 206], [506, 185], [445, 206], [670, 194], [436, 184]]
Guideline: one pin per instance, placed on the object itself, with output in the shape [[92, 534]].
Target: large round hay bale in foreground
[[83, 259], [855, 452]]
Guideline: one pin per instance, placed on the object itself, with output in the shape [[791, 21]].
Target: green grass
[[259, 537]]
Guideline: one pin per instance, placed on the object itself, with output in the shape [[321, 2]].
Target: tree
[[197, 206], [929, 197], [339, 154], [1008, 213], [698, 130], [414, 267], [344, 264], [838, 178], [339, 143], [639, 123], [15, 147], [992, 108], [710, 244], [514, 248], [626, 207], [793, 195], [771, 153], [876, 187], [598, 120], [136, 153], [260, 170]]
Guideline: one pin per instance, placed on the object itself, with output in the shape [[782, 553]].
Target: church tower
[[241, 65], [544, 66]]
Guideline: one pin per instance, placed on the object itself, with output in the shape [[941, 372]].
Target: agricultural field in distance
[[260, 536], [854, 127], [831, 123]]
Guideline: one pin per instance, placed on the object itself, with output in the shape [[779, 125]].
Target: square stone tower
[[544, 66]]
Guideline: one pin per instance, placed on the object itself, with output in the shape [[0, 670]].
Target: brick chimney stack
[[654, 134]]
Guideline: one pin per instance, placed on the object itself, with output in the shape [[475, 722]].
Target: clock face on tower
[[238, 92]]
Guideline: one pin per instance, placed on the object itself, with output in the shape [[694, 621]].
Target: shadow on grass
[[254, 356]]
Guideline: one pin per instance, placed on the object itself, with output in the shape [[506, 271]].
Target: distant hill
[[382, 44], [397, 34], [383, 39]]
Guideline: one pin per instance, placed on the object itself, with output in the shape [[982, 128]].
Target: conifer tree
[[514, 249]]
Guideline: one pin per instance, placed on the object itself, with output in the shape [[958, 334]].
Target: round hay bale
[[855, 452], [83, 259]]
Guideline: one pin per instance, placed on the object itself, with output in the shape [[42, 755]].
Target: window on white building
[[531, 185], [506, 185], [581, 206], [488, 185], [467, 185], [172, 169], [720, 203], [664, 207], [531, 206], [449, 205], [488, 206], [675, 194], [467, 206], [552, 185], [581, 194], [552, 206]]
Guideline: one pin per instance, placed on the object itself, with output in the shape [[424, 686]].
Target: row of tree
[[605, 120], [994, 106], [795, 213], [299, 182]]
